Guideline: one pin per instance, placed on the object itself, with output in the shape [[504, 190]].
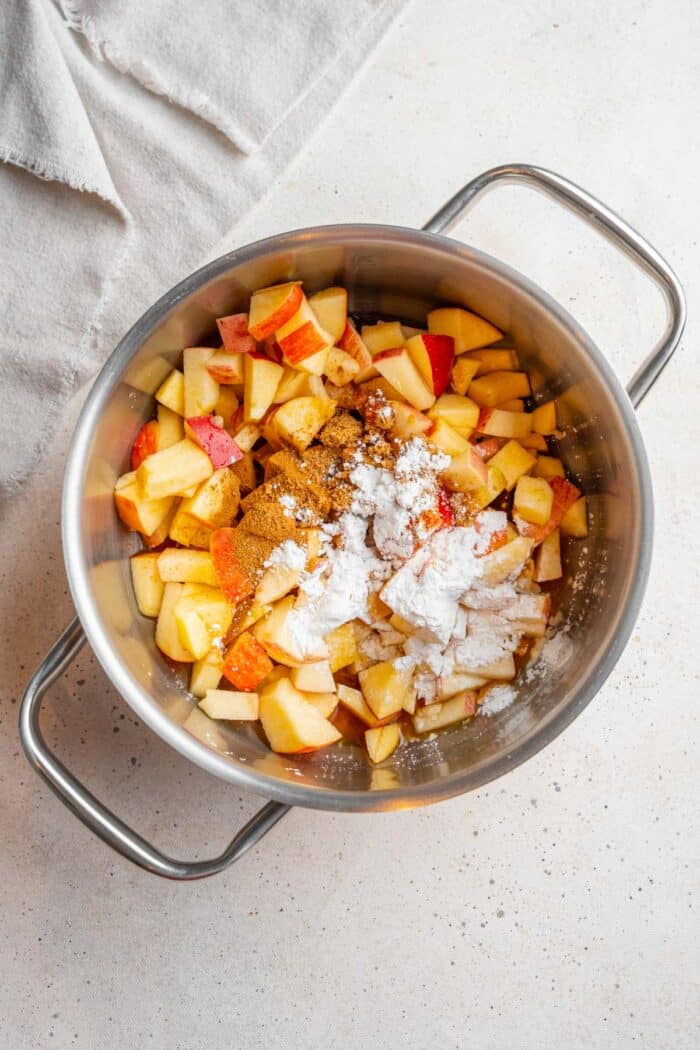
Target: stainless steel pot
[[389, 271]]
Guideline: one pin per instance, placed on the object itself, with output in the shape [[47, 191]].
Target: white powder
[[288, 555], [287, 503], [498, 698]]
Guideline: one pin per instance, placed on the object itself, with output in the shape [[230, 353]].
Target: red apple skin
[[440, 351], [488, 447], [215, 441], [484, 416], [445, 508], [234, 334], [352, 344], [146, 443], [302, 343], [272, 349]]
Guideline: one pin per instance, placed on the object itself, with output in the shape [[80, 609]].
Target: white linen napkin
[[133, 144]]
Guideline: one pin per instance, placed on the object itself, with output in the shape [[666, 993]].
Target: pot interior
[[389, 273]]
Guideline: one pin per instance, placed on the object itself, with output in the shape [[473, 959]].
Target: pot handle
[[87, 808], [617, 231]]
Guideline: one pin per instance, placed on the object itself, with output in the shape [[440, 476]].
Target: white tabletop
[[551, 909]]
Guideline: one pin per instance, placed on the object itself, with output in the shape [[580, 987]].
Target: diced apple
[[298, 421], [167, 633], [271, 308], [533, 500], [246, 436], [169, 472], [462, 374], [189, 531], [340, 367], [274, 635], [170, 427], [171, 392], [497, 423], [192, 630], [147, 583], [206, 673], [246, 663], [231, 576], [276, 582], [513, 460], [216, 501], [505, 562], [210, 605], [138, 513], [446, 439], [457, 682], [234, 334], [302, 336], [145, 443], [408, 422], [437, 716], [385, 335], [575, 521], [488, 447], [246, 615], [291, 724], [398, 368], [385, 688], [176, 565], [262, 377], [201, 389], [244, 470], [492, 389], [466, 473], [548, 467], [544, 418], [353, 701], [516, 404], [225, 367], [468, 330], [548, 559], [495, 360], [503, 668], [331, 309], [325, 703], [565, 495], [342, 646], [230, 706], [314, 678], [460, 412], [382, 742], [434, 356], [485, 494], [533, 441], [351, 342], [214, 440]]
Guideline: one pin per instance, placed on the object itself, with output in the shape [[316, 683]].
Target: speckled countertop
[[552, 909]]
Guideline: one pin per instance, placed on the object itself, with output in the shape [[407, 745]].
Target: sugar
[[287, 555], [498, 698]]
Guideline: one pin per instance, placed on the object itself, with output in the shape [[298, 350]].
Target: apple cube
[[145, 443], [385, 688], [496, 387], [466, 473], [398, 368], [495, 360], [353, 701], [176, 565], [437, 716], [544, 418], [246, 436], [171, 392], [170, 427], [498, 423], [244, 471], [215, 502], [292, 725], [314, 678], [463, 371], [210, 605], [226, 367], [575, 520], [382, 742], [503, 668], [246, 663], [325, 703], [485, 494], [274, 635], [298, 421], [206, 673], [468, 330], [516, 404], [331, 309], [167, 632], [230, 573], [533, 500], [230, 706], [548, 467], [192, 630], [461, 413], [138, 513], [148, 586], [535, 442], [262, 378], [445, 438], [564, 496], [234, 334], [189, 531], [271, 308], [408, 422], [457, 682], [292, 384], [433, 355], [201, 389], [214, 440], [548, 558], [173, 470], [385, 335], [302, 336], [246, 615], [513, 461], [507, 561], [351, 342], [275, 583], [340, 367], [342, 646]]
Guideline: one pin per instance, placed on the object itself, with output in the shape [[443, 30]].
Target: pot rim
[[241, 776]]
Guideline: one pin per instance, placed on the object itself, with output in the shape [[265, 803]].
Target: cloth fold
[[136, 125]]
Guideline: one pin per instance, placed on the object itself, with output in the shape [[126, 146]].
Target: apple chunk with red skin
[[270, 308], [352, 343], [398, 368], [216, 442], [145, 443], [434, 356], [234, 334]]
